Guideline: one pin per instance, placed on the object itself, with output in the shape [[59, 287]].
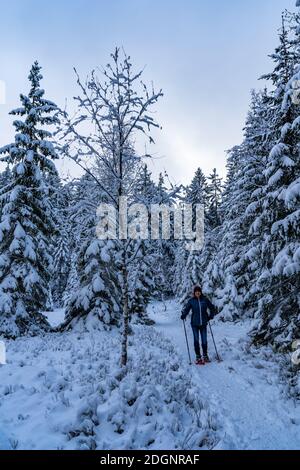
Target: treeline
[[51, 256]]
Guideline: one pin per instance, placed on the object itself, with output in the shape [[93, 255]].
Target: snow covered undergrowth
[[247, 389], [67, 391]]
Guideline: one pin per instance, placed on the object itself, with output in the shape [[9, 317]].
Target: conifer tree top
[[33, 146]]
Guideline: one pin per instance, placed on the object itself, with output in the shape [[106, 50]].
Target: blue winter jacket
[[199, 307]]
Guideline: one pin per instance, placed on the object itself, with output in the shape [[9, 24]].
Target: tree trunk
[[124, 354]]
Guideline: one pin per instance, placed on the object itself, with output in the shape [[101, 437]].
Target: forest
[[106, 293]]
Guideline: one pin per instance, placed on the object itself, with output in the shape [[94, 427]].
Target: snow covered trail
[[244, 390], [67, 391]]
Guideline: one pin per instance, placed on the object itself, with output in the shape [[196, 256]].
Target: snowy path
[[67, 391], [244, 389]]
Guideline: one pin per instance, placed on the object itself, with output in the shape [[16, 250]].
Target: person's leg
[[203, 332], [196, 341]]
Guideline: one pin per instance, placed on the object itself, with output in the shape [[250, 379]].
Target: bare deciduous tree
[[111, 113]]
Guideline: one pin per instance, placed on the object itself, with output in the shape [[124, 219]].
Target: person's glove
[[182, 316]]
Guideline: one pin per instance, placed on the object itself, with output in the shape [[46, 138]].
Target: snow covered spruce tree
[[114, 111], [5, 179], [231, 272], [143, 277], [165, 249], [255, 271], [248, 194], [95, 301], [26, 225], [80, 206], [212, 232], [197, 191], [192, 269], [158, 258], [62, 243], [214, 197], [279, 221]]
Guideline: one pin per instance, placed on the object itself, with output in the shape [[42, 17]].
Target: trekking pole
[[218, 357], [187, 343]]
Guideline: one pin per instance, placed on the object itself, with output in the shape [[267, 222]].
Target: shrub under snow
[[68, 392]]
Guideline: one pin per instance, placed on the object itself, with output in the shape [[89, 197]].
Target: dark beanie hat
[[197, 289]]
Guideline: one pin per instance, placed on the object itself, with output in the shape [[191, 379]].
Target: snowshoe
[[200, 362]]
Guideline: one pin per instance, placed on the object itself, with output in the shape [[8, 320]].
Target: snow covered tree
[[67, 242], [257, 145], [214, 197], [232, 269], [90, 287], [5, 177], [145, 187], [255, 270], [285, 57], [62, 242], [72, 284], [192, 272], [144, 280], [26, 225], [279, 223], [141, 282], [117, 111], [5, 180], [197, 191], [165, 249]]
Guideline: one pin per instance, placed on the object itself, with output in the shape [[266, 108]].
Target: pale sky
[[206, 55]]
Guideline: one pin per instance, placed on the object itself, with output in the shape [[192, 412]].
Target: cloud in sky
[[206, 55]]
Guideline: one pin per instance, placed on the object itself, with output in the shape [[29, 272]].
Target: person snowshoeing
[[199, 304]]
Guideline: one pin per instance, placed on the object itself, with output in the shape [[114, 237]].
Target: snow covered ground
[[245, 389], [67, 391]]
